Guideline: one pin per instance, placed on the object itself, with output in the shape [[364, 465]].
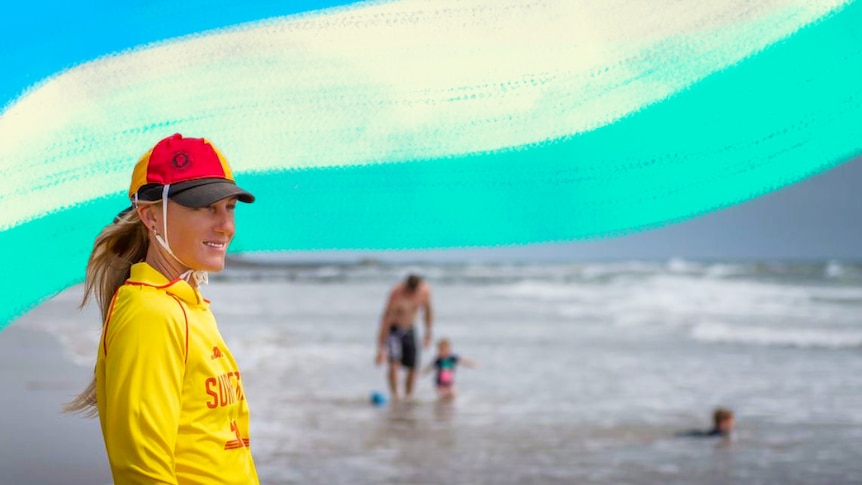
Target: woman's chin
[[211, 265]]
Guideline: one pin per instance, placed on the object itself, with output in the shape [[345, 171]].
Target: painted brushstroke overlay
[[394, 82], [772, 119]]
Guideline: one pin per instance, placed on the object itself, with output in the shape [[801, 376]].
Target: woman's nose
[[225, 221]]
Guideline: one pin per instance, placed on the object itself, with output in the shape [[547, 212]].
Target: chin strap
[[197, 276]]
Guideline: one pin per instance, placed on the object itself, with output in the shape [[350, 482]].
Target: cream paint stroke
[[374, 83]]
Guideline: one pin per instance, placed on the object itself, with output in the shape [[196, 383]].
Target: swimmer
[[722, 426]]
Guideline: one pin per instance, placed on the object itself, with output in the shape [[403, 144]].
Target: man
[[397, 338]]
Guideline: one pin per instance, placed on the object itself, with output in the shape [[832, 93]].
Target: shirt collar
[[144, 274]]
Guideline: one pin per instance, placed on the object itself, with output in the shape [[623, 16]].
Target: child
[[445, 364]]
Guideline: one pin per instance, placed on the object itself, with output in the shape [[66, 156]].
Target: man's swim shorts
[[401, 346]]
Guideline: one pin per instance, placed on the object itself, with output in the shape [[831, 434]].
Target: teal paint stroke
[[788, 113]]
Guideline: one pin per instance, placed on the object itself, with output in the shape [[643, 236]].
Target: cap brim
[[205, 192]]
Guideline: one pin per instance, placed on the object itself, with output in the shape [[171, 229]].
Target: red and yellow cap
[[195, 171]]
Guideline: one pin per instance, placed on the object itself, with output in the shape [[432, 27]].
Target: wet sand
[[40, 444]]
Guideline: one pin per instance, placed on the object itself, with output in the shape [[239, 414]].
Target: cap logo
[[181, 160]]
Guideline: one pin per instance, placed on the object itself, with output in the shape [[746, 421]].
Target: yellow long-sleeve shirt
[[170, 396]]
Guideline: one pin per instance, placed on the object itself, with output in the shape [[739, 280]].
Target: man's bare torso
[[404, 305]]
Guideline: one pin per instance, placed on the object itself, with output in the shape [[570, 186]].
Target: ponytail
[[119, 246]]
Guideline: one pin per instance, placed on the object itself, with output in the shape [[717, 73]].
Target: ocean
[[586, 371]]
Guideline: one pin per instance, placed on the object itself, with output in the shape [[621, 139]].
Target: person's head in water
[[444, 347], [722, 419], [412, 282]]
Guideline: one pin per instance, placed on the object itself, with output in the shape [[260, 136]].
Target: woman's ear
[[148, 215]]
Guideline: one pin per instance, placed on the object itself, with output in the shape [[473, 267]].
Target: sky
[[816, 219]]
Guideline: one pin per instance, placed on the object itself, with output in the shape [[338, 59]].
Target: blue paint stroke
[[41, 38]]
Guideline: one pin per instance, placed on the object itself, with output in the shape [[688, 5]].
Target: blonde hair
[[119, 246]]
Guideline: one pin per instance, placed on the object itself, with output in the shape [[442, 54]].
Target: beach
[[586, 373], [42, 445]]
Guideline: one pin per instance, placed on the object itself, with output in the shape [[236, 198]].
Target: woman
[[166, 388]]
